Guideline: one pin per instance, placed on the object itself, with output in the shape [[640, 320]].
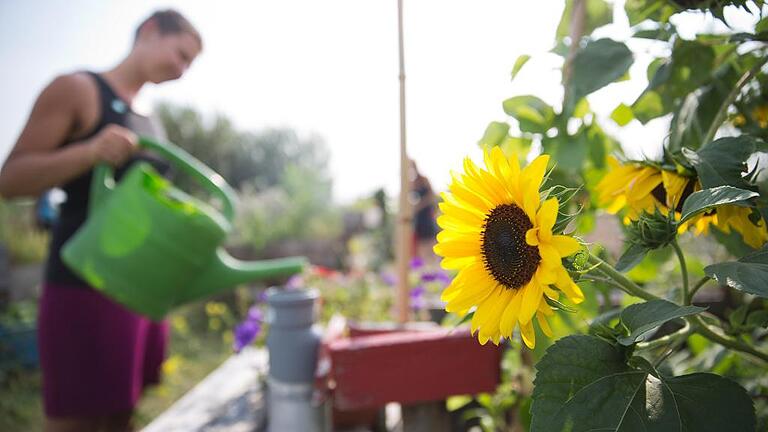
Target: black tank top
[[73, 212]]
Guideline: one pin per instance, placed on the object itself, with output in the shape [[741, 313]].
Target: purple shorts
[[96, 356]]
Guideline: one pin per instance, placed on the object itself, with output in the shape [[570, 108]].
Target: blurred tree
[[282, 178], [258, 159]]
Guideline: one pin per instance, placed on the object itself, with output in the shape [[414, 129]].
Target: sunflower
[[643, 188], [736, 218], [497, 232]]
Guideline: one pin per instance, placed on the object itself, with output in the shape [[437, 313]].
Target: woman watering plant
[[96, 355]]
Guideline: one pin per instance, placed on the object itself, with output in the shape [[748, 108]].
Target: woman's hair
[[170, 21]]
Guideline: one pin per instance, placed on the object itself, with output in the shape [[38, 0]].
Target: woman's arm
[[36, 163]]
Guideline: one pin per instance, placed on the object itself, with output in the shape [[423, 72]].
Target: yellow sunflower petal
[[466, 195], [479, 180], [544, 325], [617, 204], [490, 324], [483, 310], [532, 236], [476, 287], [531, 298], [674, 185], [509, 318], [482, 339], [568, 287], [546, 218], [565, 245], [530, 204], [448, 222], [500, 194], [454, 288], [529, 336], [457, 248], [550, 257], [530, 179], [647, 182], [500, 168], [451, 263], [546, 275]]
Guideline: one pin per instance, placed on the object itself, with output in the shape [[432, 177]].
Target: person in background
[[96, 356], [424, 226]]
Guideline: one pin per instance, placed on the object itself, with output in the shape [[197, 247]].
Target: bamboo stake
[[405, 217]]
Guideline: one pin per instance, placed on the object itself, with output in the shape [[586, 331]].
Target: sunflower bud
[[653, 230]]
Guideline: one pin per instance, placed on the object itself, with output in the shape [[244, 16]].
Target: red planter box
[[410, 367]]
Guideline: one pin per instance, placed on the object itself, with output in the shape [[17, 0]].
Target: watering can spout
[[225, 272]]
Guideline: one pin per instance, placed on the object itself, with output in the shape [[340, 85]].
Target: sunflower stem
[[683, 269], [731, 98], [703, 281], [622, 281], [707, 331], [687, 330], [696, 321], [672, 341]]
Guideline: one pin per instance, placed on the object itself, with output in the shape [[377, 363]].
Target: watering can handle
[[103, 176]]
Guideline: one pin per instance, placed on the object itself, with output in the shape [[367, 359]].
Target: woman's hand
[[114, 145]]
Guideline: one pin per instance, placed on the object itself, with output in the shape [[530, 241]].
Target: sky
[[330, 68]]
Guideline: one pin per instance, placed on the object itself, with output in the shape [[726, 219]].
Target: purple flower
[[417, 298], [249, 329], [294, 282], [262, 297], [245, 333], [389, 278], [416, 263], [417, 291], [255, 314], [439, 276], [444, 277]]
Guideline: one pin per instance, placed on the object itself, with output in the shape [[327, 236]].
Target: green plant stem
[[674, 344], [621, 281], [706, 330], [696, 321], [730, 99], [703, 281], [606, 280], [684, 332], [683, 269]]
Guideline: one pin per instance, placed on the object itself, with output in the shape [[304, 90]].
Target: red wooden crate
[[410, 367]]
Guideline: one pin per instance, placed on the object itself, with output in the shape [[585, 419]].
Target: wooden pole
[[403, 251]]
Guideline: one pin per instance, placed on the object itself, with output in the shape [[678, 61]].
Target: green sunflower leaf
[[554, 304], [641, 10], [519, 63], [698, 110], [494, 134], [631, 257], [600, 63], [622, 115], [748, 274], [639, 319], [648, 107], [706, 199], [723, 161], [533, 114], [584, 383]]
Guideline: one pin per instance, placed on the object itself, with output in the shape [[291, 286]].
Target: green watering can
[[152, 247]]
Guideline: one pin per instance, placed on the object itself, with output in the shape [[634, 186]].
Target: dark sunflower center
[[507, 257], [661, 194]]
